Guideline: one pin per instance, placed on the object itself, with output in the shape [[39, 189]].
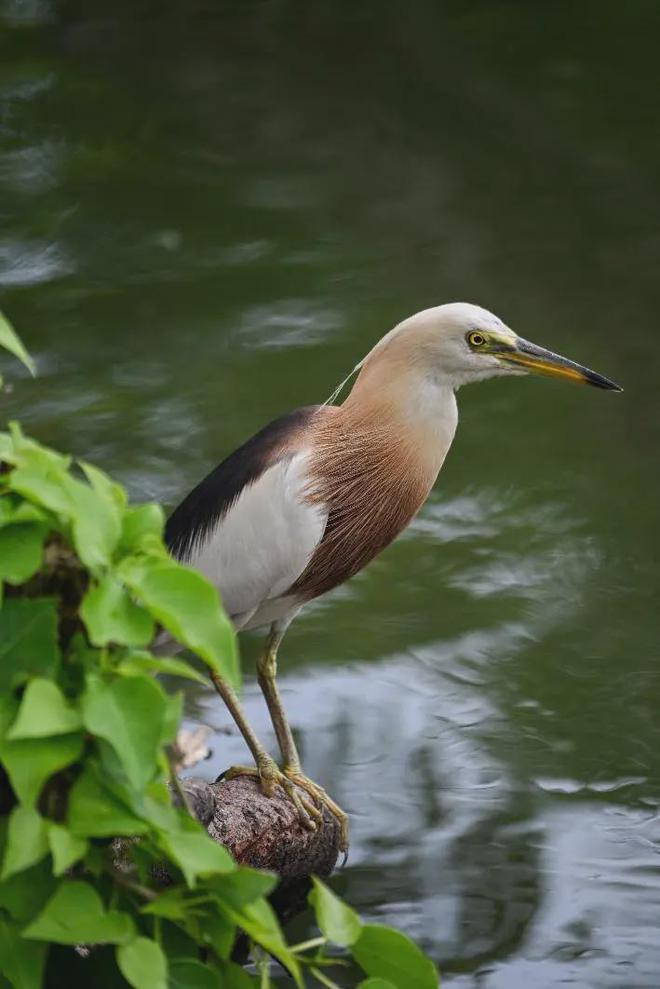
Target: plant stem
[[176, 783], [315, 942], [123, 880], [324, 979]]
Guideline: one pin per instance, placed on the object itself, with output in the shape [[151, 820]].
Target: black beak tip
[[600, 381], [611, 386]]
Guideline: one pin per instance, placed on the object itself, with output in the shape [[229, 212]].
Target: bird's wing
[[247, 526]]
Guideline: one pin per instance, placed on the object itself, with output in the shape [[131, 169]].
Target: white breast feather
[[264, 542]]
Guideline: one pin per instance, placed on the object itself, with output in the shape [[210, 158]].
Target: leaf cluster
[[86, 729]]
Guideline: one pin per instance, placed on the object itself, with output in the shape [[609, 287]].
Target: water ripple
[[25, 262]]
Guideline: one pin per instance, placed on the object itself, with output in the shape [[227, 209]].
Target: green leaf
[[43, 477], [104, 485], [155, 806], [31, 761], [188, 973], [235, 977], [143, 964], [111, 616], [96, 522], [129, 714], [95, 811], [392, 956], [76, 915], [28, 639], [243, 886], [24, 894], [14, 509], [8, 710], [65, 847], [260, 923], [173, 716], [376, 984], [177, 942], [194, 852], [218, 931], [27, 841], [144, 662], [337, 921], [21, 551], [142, 530], [23, 446], [44, 711], [10, 340], [172, 904], [22, 963], [188, 606], [6, 448]]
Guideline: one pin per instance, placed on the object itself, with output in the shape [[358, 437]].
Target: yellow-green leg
[[267, 677], [266, 769], [306, 795]]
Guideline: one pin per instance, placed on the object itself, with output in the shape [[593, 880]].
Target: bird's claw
[[307, 796], [321, 798], [270, 776]]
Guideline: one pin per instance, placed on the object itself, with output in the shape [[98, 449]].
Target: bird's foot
[[322, 799], [307, 796], [270, 776]]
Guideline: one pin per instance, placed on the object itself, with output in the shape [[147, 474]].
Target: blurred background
[[208, 212]]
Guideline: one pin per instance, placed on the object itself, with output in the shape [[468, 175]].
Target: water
[[209, 212]]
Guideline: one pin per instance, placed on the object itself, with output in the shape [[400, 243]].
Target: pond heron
[[314, 496]]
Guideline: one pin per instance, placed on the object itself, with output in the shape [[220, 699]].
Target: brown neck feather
[[373, 463]]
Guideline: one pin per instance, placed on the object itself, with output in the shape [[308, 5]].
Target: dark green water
[[208, 213]]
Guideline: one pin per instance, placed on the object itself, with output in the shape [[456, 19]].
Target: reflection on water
[[207, 218], [482, 858]]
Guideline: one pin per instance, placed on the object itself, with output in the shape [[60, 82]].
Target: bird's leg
[[267, 674], [266, 769], [235, 708]]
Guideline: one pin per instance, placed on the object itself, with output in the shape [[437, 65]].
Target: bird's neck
[[418, 413], [372, 463]]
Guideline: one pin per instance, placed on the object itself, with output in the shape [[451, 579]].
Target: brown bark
[[263, 832]]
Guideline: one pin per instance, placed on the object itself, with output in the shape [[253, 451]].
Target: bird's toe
[[321, 799]]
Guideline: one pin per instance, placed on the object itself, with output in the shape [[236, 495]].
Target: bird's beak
[[538, 360]]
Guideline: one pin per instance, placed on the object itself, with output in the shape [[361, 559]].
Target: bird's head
[[459, 343]]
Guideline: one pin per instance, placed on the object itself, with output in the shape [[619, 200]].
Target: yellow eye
[[476, 339]]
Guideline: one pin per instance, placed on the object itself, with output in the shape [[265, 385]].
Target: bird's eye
[[476, 339]]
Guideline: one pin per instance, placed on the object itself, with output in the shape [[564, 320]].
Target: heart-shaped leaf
[[143, 964], [44, 711], [337, 921], [75, 915]]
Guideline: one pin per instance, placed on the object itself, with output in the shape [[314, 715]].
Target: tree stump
[[263, 832]]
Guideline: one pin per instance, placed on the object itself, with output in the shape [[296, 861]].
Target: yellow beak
[[541, 361]]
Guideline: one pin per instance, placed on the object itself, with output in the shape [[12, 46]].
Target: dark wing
[[192, 522]]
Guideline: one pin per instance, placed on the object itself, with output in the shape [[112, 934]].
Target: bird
[[314, 496]]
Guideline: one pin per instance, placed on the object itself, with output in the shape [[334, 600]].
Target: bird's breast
[[372, 479]]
